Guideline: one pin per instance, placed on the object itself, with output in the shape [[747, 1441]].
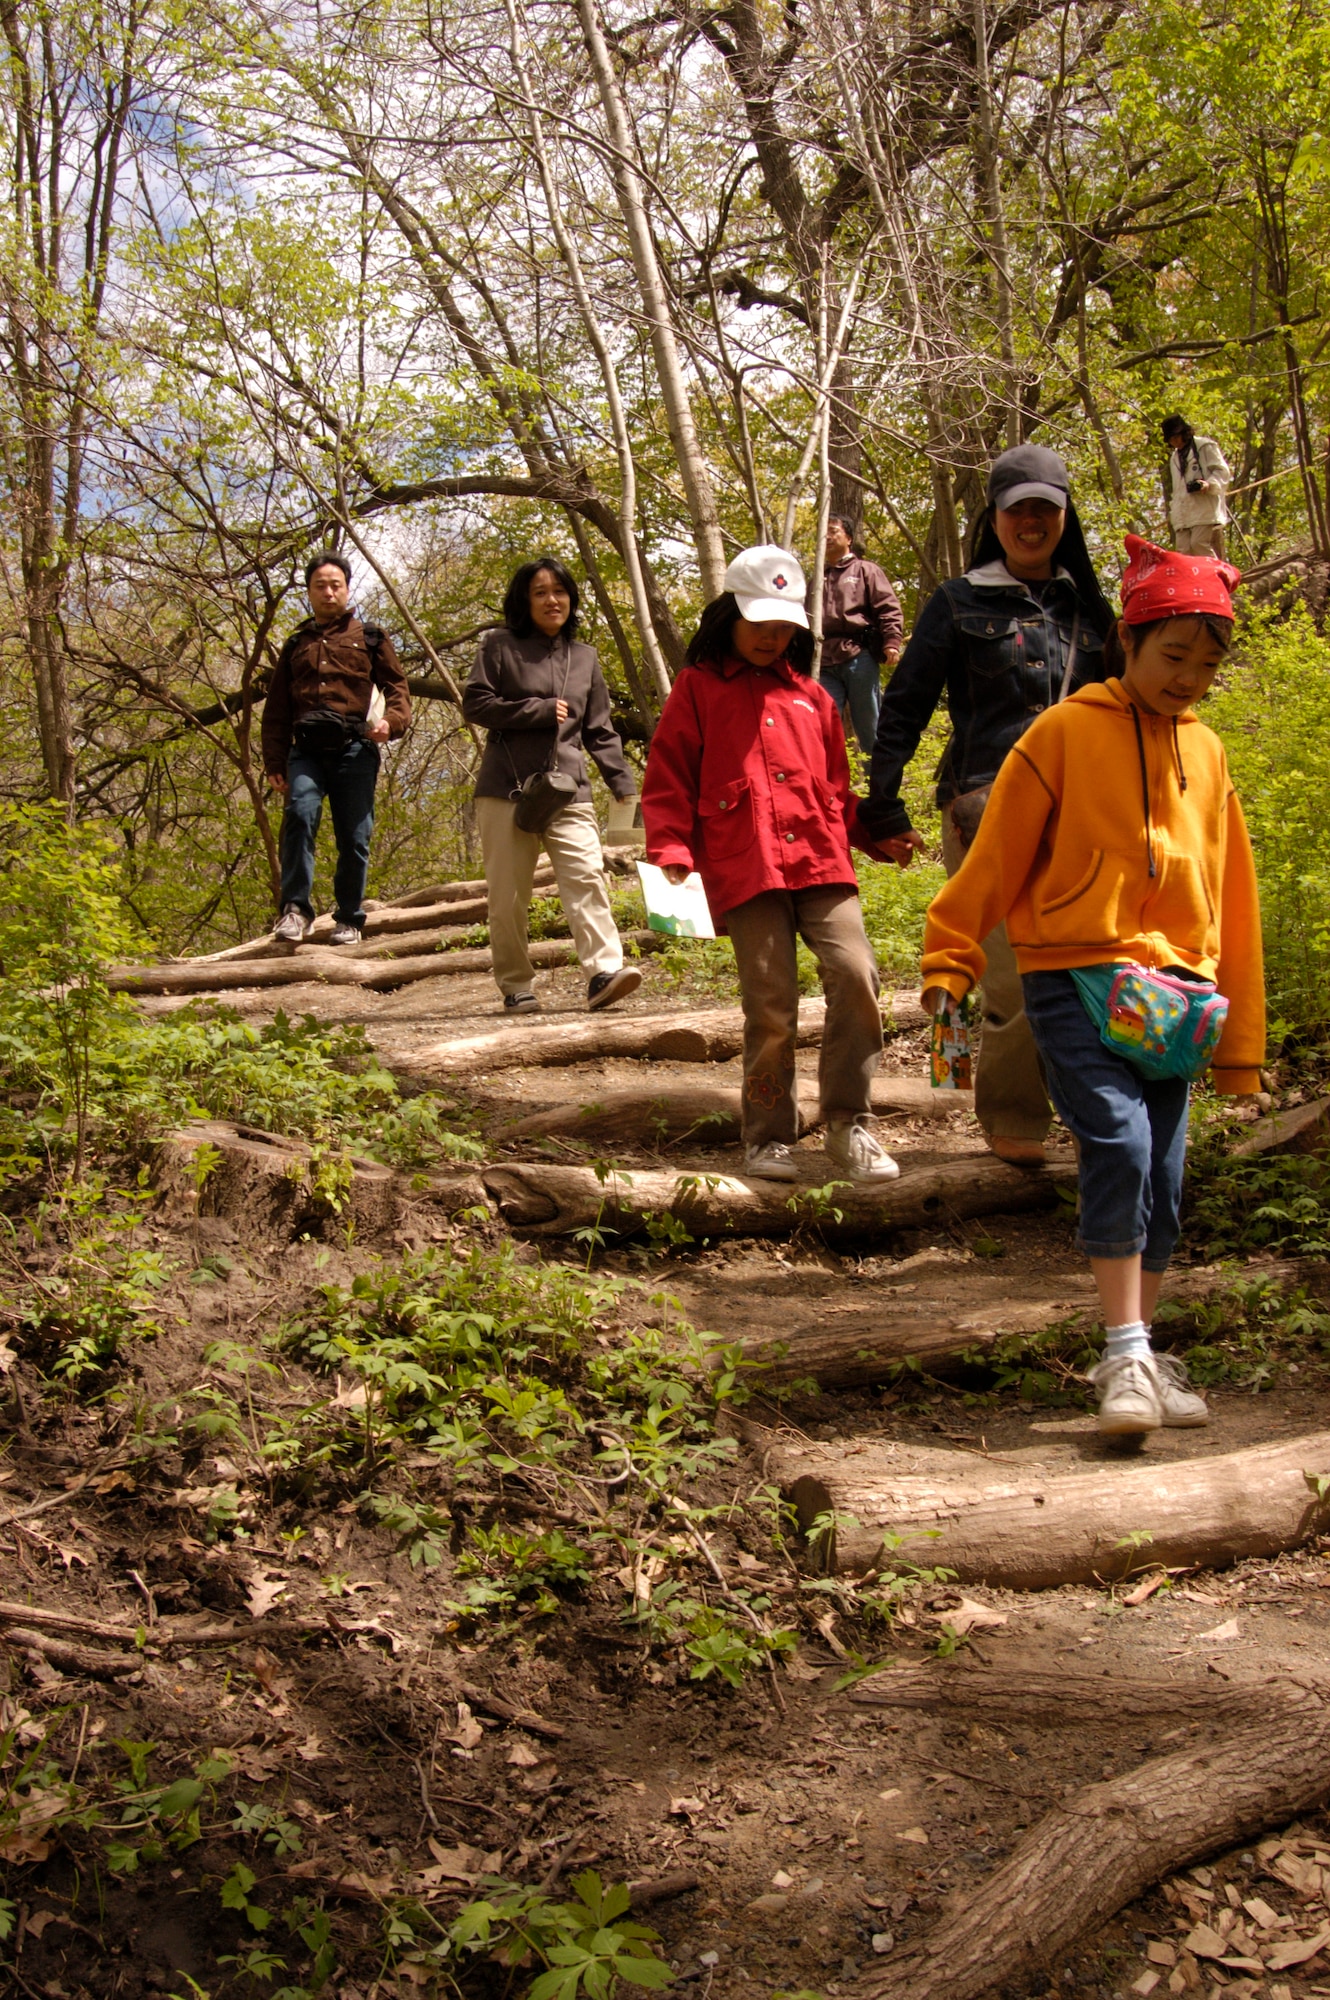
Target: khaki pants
[[1010, 1100], [764, 932], [1203, 541], [572, 841]]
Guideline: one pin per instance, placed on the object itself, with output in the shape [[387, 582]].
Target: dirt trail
[[825, 1835]]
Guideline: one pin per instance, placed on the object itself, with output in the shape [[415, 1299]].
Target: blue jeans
[[853, 686], [347, 780], [1132, 1132]]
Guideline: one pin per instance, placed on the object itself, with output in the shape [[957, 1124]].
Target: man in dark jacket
[[862, 629], [337, 693]]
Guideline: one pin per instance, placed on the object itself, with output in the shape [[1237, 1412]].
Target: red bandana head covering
[[1160, 583]]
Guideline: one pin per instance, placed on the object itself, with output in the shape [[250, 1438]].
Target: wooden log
[[854, 1352], [1110, 1842], [1304, 1129], [311, 966], [546, 1200], [655, 1118], [1032, 1529], [712, 1034]]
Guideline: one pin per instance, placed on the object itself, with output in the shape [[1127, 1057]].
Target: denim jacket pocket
[[992, 641]]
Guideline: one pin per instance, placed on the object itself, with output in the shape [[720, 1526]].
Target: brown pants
[[1010, 1100], [765, 930], [1207, 540]]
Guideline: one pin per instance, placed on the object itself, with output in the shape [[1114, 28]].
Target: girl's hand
[[561, 710], [902, 848], [676, 873], [934, 999]]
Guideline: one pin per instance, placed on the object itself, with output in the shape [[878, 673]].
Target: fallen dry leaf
[[916, 1834], [34, 1925], [254, 1763], [524, 1756], [267, 1674], [1146, 1588], [1298, 1950], [825, 1625], [1220, 1634], [468, 1731], [970, 1614], [686, 1808], [311, 1750], [263, 1594]]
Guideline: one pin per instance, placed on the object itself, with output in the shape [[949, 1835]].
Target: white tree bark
[[692, 465]]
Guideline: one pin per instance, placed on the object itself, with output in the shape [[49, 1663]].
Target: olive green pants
[[1010, 1100]]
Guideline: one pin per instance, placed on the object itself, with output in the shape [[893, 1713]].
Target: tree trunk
[[1029, 1529], [662, 1117], [1111, 1842], [693, 472], [545, 1200]]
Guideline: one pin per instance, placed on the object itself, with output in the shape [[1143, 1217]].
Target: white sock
[[1132, 1339]]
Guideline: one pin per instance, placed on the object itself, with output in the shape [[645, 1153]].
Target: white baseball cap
[[768, 583]]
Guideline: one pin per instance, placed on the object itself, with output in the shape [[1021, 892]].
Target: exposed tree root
[[314, 965], [1111, 1842]]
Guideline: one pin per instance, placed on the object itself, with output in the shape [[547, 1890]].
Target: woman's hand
[[934, 999], [676, 873], [561, 711]]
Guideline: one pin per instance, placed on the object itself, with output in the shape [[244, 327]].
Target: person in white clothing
[[1198, 476]]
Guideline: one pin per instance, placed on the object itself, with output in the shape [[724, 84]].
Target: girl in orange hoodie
[[1113, 838]]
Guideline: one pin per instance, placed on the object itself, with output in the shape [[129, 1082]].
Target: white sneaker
[[344, 934], [854, 1148], [1129, 1397], [772, 1162], [1183, 1409], [293, 926]]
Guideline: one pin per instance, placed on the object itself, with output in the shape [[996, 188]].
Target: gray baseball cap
[[1028, 472]]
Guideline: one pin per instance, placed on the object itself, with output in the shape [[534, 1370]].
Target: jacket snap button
[[771, 722], [724, 804], [780, 777], [789, 836]]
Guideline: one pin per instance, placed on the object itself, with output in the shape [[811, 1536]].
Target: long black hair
[[714, 637], [517, 598], [1070, 554]]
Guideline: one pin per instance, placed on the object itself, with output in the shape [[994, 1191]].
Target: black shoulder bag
[[545, 793]]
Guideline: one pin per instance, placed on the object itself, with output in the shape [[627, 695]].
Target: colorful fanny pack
[[1162, 1025]]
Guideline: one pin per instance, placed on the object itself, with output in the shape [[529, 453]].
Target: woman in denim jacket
[[1019, 631]]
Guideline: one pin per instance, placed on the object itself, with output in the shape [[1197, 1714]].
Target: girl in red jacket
[[747, 782]]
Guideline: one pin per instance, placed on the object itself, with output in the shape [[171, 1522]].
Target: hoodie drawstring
[[1177, 757], [1145, 785]]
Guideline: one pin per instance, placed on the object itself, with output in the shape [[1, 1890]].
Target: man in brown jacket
[[337, 693], [862, 629]]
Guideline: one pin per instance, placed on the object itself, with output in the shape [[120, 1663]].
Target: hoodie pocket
[[1085, 911], [726, 817], [1179, 906]]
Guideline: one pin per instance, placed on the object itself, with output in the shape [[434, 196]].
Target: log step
[[655, 1118]]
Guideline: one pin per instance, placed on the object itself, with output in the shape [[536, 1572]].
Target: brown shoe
[[1016, 1152]]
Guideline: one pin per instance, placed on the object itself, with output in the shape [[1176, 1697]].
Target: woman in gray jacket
[[543, 699]]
